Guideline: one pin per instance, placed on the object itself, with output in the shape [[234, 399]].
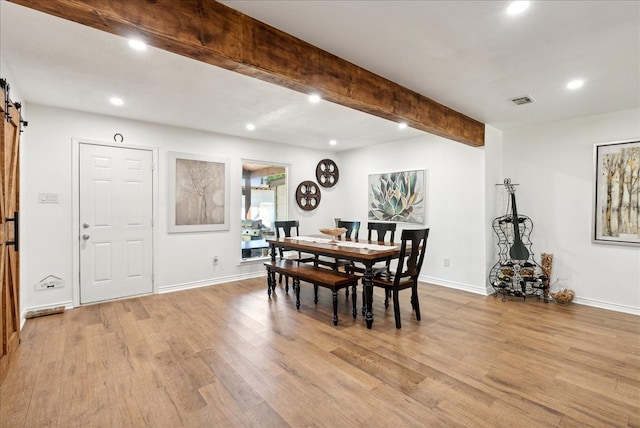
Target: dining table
[[361, 251], [254, 244]]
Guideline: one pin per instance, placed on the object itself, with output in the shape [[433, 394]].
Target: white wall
[[181, 260], [455, 189], [494, 208], [553, 164]]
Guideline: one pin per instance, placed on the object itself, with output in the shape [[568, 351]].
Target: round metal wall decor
[[327, 173], [308, 195]]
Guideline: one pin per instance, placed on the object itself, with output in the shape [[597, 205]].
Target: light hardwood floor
[[227, 356]]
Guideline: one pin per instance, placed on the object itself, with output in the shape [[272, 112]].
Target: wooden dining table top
[[346, 248]]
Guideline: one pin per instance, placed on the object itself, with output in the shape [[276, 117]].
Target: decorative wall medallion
[[327, 173], [308, 195]]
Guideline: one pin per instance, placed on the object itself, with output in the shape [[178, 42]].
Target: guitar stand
[[516, 273]]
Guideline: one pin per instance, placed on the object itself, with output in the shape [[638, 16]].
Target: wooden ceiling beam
[[216, 34]]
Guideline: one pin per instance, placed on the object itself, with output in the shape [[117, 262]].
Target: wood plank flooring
[[227, 356]]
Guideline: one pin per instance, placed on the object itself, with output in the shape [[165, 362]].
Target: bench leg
[[296, 289], [286, 281], [354, 298], [335, 307], [271, 278], [315, 294]]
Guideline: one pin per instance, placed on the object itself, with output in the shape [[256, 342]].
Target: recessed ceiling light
[[575, 84], [402, 125], [116, 101], [251, 126], [138, 45], [314, 98], [517, 7], [333, 142]]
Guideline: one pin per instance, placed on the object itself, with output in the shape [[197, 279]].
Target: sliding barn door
[[9, 259]]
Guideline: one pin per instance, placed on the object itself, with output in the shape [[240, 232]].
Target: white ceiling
[[468, 55]]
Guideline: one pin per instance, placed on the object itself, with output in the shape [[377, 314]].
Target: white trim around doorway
[[75, 194]]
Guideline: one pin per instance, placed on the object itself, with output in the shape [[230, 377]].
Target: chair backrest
[[381, 230], [410, 264], [353, 228], [284, 228]]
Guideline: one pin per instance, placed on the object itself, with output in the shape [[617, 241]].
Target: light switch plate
[[48, 198]]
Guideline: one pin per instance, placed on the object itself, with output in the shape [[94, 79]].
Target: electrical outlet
[[446, 262]]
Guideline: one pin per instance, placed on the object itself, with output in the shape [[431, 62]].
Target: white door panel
[[115, 222]]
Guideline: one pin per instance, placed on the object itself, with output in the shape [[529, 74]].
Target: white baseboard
[[207, 282], [607, 305], [67, 305], [578, 300], [457, 285], [436, 281]]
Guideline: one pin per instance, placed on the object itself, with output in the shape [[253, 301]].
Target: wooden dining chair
[[380, 230], [353, 231], [412, 250], [287, 229], [353, 228]]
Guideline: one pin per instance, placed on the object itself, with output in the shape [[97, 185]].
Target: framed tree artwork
[[198, 193], [616, 216]]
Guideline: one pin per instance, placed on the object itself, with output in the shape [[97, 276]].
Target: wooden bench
[[315, 275]]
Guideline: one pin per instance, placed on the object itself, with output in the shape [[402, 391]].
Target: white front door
[[116, 198]]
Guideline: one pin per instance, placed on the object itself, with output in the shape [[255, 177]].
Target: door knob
[[85, 236], [85, 225]]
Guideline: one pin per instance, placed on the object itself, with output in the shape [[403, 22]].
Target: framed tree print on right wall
[[616, 216]]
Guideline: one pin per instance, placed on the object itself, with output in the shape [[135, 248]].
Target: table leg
[[273, 252], [368, 293]]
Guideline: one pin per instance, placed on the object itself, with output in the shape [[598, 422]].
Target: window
[[264, 200]]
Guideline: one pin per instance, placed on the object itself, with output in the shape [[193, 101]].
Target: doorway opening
[[264, 201]]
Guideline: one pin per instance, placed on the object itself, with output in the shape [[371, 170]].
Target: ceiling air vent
[[522, 100]]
